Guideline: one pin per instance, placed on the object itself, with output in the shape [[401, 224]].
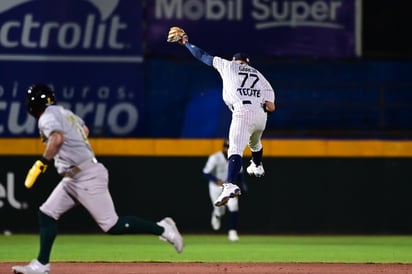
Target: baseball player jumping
[[215, 171], [84, 181], [250, 97]]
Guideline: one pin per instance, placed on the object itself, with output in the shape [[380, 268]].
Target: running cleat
[[257, 171], [229, 191], [171, 234], [215, 222], [232, 235], [34, 267]]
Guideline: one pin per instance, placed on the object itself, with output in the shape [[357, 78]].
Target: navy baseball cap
[[241, 56]]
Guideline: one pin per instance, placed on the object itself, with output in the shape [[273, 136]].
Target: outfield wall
[[298, 194]]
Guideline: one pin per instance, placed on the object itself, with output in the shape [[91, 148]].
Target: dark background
[[297, 195], [386, 26]]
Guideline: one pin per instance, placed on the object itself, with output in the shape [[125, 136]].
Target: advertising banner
[[262, 28], [89, 51]]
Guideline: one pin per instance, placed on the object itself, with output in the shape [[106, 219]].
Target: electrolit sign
[[86, 27], [89, 51], [321, 28]]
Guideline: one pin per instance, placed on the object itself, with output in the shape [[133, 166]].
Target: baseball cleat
[[34, 267], [229, 191], [232, 235], [257, 171], [171, 234], [215, 222]]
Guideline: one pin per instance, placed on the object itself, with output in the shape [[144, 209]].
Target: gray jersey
[[88, 187], [76, 148]]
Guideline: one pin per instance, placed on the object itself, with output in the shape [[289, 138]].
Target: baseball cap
[[241, 56], [226, 143]]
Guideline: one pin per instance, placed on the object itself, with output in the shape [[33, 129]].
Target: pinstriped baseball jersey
[[242, 82], [245, 90]]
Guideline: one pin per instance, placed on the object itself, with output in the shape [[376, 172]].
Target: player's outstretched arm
[[178, 35], [199, 54]]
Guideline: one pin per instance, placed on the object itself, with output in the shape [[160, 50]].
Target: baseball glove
[[177, 34]]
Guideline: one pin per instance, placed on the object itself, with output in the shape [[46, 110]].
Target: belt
[[244, 102], [71, 172]]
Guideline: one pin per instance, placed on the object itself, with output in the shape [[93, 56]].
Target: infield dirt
[[211, 268]]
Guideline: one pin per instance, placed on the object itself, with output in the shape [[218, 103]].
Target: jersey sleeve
[[209, 166], [200, 54], [50, 122], [268, 91], [219, 64]]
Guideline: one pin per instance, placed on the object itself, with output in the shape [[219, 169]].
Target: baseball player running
[[84, 181], [250, 97], [215, 171]]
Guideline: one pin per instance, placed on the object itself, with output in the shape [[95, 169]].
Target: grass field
[[213, 248]]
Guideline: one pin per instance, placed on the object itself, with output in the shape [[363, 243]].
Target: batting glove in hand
[[40, 166], [177, 34]]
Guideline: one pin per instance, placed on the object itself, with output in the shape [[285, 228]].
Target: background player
[[250, 97], [215, 171], [84, 180]]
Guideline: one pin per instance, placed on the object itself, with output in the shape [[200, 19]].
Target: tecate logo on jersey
[[32, 31], [265, 13]]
